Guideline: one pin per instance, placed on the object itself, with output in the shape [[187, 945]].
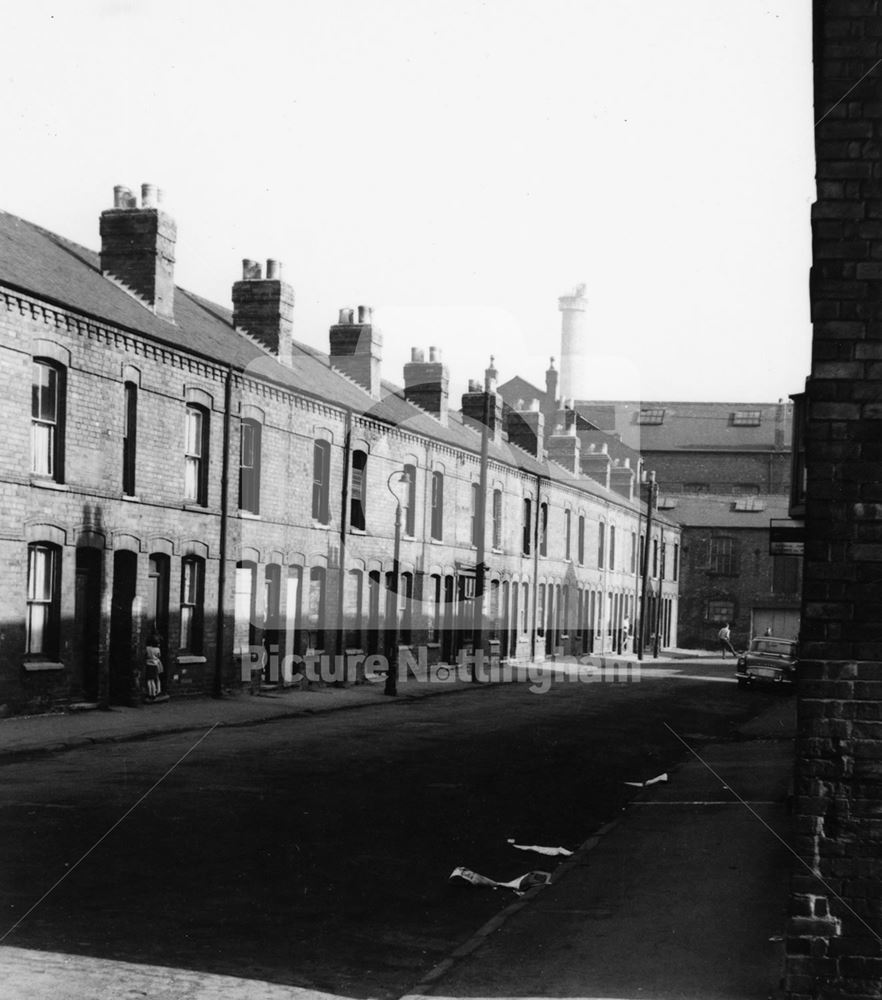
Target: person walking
[[725, 641]]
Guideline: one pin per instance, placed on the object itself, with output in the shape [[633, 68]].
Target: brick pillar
[[833, 948]]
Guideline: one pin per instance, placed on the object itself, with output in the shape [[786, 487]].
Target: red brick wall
[[833, 946]]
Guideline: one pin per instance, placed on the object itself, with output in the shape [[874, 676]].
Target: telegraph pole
[[650, 503], [480, 522]]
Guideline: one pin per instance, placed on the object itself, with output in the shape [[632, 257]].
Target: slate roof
[[719, 512], [41, 263], [687, 426]]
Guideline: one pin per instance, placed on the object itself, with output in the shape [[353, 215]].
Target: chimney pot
[[416, 354], [250, 270], [535, 406], [273, 269], [519, 405], [122, 197], [149, 197], [435, 354], [364, 314]]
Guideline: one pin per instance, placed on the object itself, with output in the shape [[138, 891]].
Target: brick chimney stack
[[526, 427], [565, 448], [264, 307], [138, 248], [426, 383], [473, 404], [597, 464], [356, 348]]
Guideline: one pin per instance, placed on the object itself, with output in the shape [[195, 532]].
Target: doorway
[[122, 656]]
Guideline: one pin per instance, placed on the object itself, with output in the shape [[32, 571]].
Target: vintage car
[[768, 660]]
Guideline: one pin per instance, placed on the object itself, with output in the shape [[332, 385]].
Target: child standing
[[152, 666]]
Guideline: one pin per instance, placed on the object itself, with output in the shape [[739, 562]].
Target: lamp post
[[650, 502], [401, 478]]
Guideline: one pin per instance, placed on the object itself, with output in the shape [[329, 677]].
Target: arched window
[[196, 455], [409, 511], [47, 419], [249, 467], [44, 599], [474, 513], [581, 541], [543, 529], [527, 546], [321, 481], [497, 519], [192, 601], [568, 533], [358, 491], [437, 506], [130, 437]]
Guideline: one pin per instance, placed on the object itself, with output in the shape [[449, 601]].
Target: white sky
[[456, 164]]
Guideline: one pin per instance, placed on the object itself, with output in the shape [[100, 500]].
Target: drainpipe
[[344, 524], [224, 517], [536, 565]]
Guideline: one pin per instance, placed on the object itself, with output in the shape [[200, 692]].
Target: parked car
[[768, 660]]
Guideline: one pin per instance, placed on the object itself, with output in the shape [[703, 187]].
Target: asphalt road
[[316, 851]]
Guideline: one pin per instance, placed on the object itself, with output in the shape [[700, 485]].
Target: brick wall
[[833, 945], [142, 541]]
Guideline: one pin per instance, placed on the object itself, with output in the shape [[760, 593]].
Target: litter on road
[[650, 781], [518, 885], [549, 851]]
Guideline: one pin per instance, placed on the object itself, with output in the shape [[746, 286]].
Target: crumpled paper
[[651, 781], [518, 885], [548, 851]]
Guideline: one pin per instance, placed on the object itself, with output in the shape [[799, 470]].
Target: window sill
[[249, 515], [132, 497], [49, 484], [187, 658], [321, 525], [35, 666]]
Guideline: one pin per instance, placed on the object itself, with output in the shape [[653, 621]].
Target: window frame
[[196, 461], [436, 529], [358, 490], [130, 438], [54, 427], [543, 528], [49, 602], [496, 538], [192, 605], [408, 507], [321, 481], [249, 474]]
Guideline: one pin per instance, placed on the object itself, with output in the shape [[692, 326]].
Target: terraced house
[[173, 464]]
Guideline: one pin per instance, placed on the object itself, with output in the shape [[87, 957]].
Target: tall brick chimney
[[597, 464], [621, 478], [138, 248], [426, 383], [526, 427], [356, 348], [264, 307]]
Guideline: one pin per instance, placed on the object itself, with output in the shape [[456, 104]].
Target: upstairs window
[[196, 455], [581, 542], [47, 420], [321, 477], [568, 530], [437, 506], [651, 416], [612, 546], [130, 437], [497, 519], [601, 544], [526, 545], [249, 467], [747, 418], [474, 513], [44, 600], [358, 491], [409, 512], [675, 568], [543, 529], [722, 556]]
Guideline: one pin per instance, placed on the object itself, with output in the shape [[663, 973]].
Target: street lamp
[[402, 482], [650, 503]]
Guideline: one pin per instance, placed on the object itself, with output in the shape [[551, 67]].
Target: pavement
[[681, 897]]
